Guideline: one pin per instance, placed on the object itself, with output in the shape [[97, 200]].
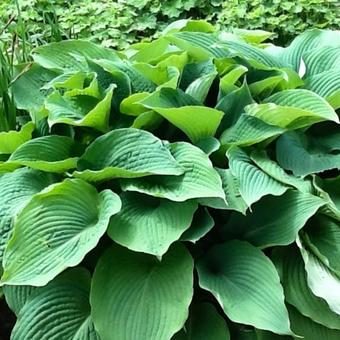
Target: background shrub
[[119, 23]]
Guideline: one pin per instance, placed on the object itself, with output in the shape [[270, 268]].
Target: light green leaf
[[253, 36], [294, 280], [16, 190], [199, 180], [55, 230], [131, 106], [80, 110], [184, 112], [275, 220], [126, 153], [245, 283], [202, 223], [305, 154], [148, 224], [49, 153], [310, 330], [208, 145], [249, 130], [321, 280], [65, 300], [135, 296], [200, 87], [204, 323], [11, 140], [253, 182], [293, 109]]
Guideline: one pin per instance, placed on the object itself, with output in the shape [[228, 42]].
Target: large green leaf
[[199, 180], [48, 153], [326, 85], [249, 130], [55, 230], [253, 182], [80, 110], [16, 189], [16, 296], [293, 109], [275, 220], [320, 60], [310, 330], [246, 285], [233, 199], [294, 280], [60, 310], [321, 280], [184, 112], [28, 90], [204, 323], [135, 296], [261, 159], [306, 42], [70, 55], [127, 153], [323, 238], [202, 223], [148, 224], [305, 154], [11, 140]]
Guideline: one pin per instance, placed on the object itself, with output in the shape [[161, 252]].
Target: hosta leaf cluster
[[185, 188]]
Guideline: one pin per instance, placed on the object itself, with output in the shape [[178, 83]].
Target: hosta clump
[[185, 188]]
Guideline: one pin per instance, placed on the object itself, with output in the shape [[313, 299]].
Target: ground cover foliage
[[119, 23], [186, 188]]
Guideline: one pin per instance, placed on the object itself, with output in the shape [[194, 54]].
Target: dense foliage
[[186, 188], [118, 23]]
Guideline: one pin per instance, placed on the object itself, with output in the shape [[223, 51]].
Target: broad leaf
[[16, 296], [148, 224], [294, 280], [55, 230], [79, 110], [65, 299], [204, 323], [323, 238], [310, 330], [126, 153], [16, 190], [293, 109], [199, 180], [305, 154], [48, 153], [135, 296], [253, 182], [321, 280], [275, 220], [246, 285], [11, 140], [184, 112]]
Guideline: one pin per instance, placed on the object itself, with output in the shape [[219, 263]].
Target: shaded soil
[[7, 320]]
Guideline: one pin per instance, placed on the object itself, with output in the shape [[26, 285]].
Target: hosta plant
[[185, 188]]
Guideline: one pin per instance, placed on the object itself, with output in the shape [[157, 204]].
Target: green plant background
[[119, 23]]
